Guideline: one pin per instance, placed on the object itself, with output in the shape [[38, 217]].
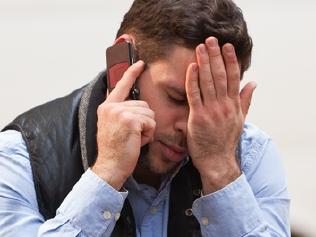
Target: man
[[180, 161]]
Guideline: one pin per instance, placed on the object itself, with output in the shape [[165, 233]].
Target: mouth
[[173, 152]]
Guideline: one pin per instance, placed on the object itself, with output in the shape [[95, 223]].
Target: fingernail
[[141, 62], [212, 42], [229, 48], [202, 49]]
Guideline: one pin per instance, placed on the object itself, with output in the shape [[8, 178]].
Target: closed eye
[[176, 100]]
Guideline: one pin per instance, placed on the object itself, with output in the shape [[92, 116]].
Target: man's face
[[162, 86]]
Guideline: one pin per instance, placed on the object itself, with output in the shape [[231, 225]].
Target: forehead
[[180, 57], [172, 69]]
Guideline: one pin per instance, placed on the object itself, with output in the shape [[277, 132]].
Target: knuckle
[[153, 124], [205, 61], [124, 117], [151, 114], [104, 107], [216, 116], [194, 92], [116, 111], [237, 103], [100, 109], [228, 113], [230, 110], [235, 74], [216, 113], [110, 109], [210, 85], [143, 103], [214, 51], [128, 120], [220, 75], [231, 58]]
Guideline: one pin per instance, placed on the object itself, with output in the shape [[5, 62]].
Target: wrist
[[218, 176], [110, 176]]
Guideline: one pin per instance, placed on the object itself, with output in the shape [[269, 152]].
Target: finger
[[232, 70], [192, 87], [143, 111], [206, 83], [123, 87], [136, 103], [148, 129], [119, 108], [217, 67], [246, 96], [138, 107]]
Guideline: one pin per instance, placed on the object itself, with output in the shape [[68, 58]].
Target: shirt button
[[107, 215], [117, 216], [153, 210], [204, 221]]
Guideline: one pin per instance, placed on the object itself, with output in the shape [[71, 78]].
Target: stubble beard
[[151, 158], [148, 161]]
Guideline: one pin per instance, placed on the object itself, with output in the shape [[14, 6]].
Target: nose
[[181, 120]]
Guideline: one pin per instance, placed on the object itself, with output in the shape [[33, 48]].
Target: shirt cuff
[[93, 206], [231, 211]]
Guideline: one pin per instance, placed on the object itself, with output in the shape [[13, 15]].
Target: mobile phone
[[118, 59]]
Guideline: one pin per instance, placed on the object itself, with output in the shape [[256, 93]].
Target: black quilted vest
[[61, 140]]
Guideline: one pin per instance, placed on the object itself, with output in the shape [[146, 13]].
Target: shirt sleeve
[[255, 204], [90, 209]]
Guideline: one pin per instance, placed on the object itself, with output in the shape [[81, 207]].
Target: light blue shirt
[[255, 204]]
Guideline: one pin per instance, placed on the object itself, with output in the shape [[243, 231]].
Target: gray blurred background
[[50, 47]]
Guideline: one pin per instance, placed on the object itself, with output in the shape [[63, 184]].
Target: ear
[[125, 37]]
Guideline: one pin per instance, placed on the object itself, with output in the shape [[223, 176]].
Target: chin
[[160, 167], [155, 163]]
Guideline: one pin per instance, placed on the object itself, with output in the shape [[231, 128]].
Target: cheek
[[168, 125], [157, 103], [163, 115]]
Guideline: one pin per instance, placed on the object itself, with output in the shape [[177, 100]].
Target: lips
[[173, 152]]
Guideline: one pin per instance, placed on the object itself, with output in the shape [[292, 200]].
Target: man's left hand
[[217, 113]]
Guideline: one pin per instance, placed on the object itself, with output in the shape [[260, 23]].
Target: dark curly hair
[[157, 25]]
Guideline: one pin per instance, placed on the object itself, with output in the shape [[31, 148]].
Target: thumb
[[124, 85], [246, 96]]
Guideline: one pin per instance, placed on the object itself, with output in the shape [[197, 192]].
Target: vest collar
[[93, 95]]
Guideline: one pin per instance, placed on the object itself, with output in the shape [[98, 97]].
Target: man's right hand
[[123, 127]]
